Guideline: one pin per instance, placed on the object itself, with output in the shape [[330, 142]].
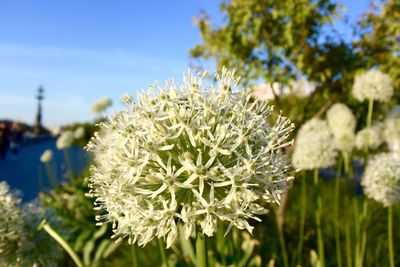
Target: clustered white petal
[[370, 136], [313, 146], [65, 140], [373, 85], [46, 156], [101, 105], [381, 180], [194, 155], [20, 243], [343, 124]]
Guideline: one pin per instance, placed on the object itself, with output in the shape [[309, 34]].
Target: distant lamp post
[[38, 122]]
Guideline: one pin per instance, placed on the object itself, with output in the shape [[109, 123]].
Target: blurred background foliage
[[279, 41]]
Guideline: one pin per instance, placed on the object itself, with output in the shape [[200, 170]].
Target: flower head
[[373, 85], [101, 105], [381, 180], [20, 243], [313, 146], [196, 155], [11, 225], [302, 88], [392, 130], [79, 133], [46, 156], [370, 136], [343, 124], [39, 248], [65, 140]]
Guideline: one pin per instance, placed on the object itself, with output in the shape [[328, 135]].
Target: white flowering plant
[[21, 244], [373, 85], [313, 146], [101, 105], [342, 123], [370, 137], [381, 180], [194, 154]]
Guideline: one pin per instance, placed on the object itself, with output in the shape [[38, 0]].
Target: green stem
[[68, 161], [364, 232], [321, 253], [337, 220], [44, 225], [346, 163], [163, 253], [348, 246], [51, 174], [282, 241], [390, 236], [134, 256], [369, 122], [201, 250], [356, 233], [302, 218], [370, 111]]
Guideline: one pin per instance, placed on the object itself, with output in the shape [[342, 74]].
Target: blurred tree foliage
[[279, 41], [379, 43]]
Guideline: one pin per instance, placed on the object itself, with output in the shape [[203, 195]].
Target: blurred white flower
[[381, 180], [39, 249], [371, 137], [11, 226], [101, 105], [302, 88], [46, 156], [392, 133], [373, 85], [343, 124], [65, 140], [55, 131], [195, 155], [79, 133], [314, 146], [20, 243]]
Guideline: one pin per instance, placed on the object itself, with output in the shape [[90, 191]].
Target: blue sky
[[82, 50]]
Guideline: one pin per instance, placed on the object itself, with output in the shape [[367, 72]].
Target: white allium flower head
[[46, 156], [39, 249], [381, 180], [65, 140], [343, 124], [302, 88], [101, 105], [11, 225], [313, 146], [371, 137], [195, 153], [373, 85], [392, 133], [20, 245], [79, 133]]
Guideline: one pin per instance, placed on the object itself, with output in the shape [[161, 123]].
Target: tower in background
[[38, 122]]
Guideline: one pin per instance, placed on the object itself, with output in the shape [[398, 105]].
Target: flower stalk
[[318, 212], [201, 250]]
